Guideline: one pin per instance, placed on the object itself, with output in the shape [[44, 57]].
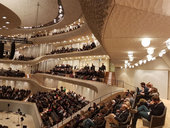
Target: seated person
[[142, 93], [156, 108], [120, 116]]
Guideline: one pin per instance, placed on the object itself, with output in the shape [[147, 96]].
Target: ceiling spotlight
[[4, 17], [145, 42], [132, 66], [140, 62], [126, 61], [121, 67], [168, 43], [7, 22], [162, 52], [149, 57], [130, 54], [4, 26], [153, 58], [150, 50], [55, 20], [136, 64], [131, 58], [144, 61]]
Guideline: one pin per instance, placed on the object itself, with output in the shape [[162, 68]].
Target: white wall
[[156, 72]]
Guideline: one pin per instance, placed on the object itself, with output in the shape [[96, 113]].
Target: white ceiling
[[132, 20], [10, 17], [27, 10]]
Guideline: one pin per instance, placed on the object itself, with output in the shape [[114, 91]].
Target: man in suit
[[103, 67], [93, 67], [120, 116], [156, 108]]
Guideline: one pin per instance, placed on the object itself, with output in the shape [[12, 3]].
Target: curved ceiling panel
[[8, 19], [127, 26], [27, 10]]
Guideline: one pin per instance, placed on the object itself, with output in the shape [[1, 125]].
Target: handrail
[[117, 82], [52, 56], [97, 100]]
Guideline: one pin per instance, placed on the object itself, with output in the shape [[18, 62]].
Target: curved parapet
[[26, 83], [99, 87], [96, 51]]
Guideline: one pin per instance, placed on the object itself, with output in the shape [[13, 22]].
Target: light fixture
[[168, 43], [126, 61], [144, 61], [162, 52], [3, 26], [136, 64], [7, 22], [153, 58], [145, 42], [132, 66], [130, 54], [131, 58], [150, 50], [121, 67], [140, 62], [149, 57], [4, 17]]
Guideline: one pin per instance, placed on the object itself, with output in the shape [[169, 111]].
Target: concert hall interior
[[84, 63]]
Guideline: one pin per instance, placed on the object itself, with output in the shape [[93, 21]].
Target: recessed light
[[7, 22], [4, 17], [4, 26]]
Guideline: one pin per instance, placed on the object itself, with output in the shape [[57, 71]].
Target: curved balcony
[[82, 31], [72, 12], [96, 51]]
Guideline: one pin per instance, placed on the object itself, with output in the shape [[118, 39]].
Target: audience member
[[156, 108], [58, 105], [67, 50], [7, 92], [11, 73]]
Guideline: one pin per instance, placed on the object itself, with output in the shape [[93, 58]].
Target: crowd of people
[[11, 73], [62, 70], [89, 73], [58, 31], [24, 58], [147, 103], [119, 111], [57, 105], [101, 115], [67, 50], [7, 92], [86, 73]]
